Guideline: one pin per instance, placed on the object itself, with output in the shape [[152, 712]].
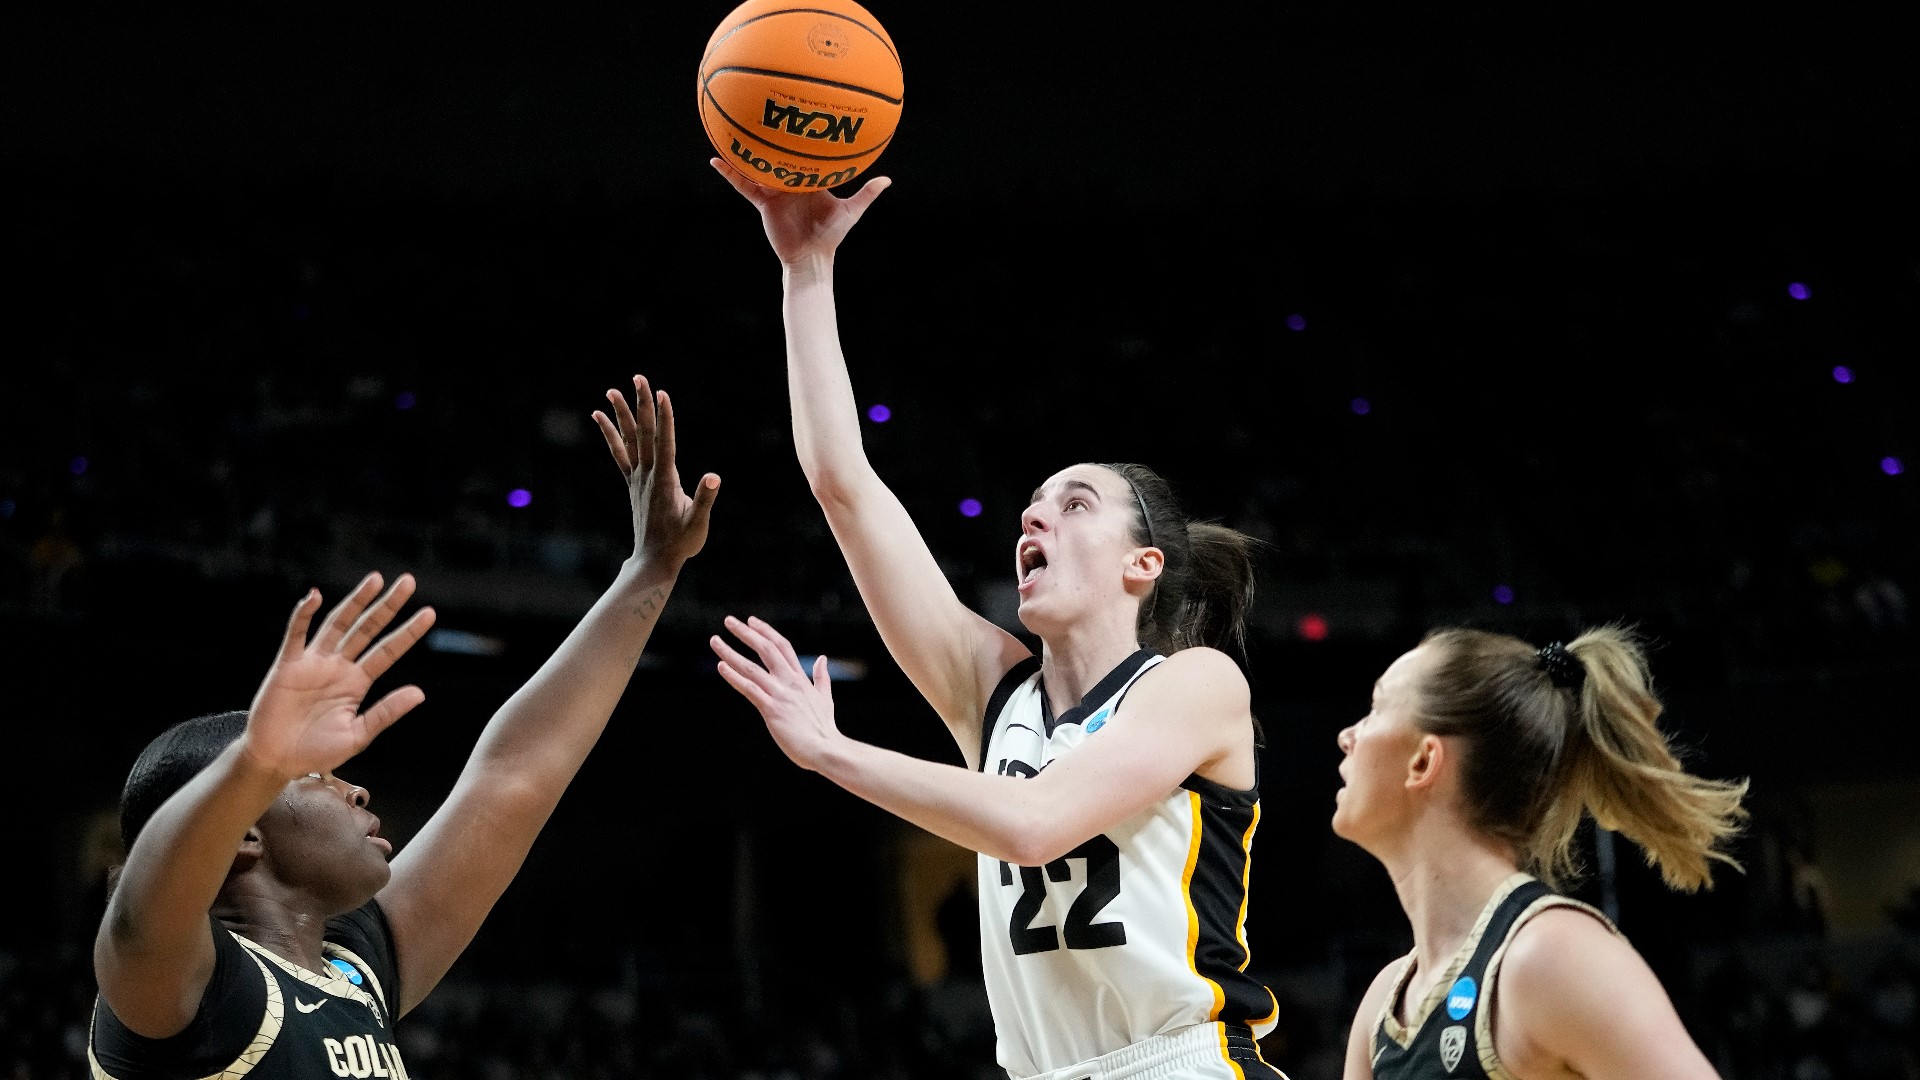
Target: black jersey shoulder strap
[[1015, 677], [1447, 1044]]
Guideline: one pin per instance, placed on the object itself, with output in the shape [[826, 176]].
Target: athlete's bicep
[[1574, 995], [154, 991]]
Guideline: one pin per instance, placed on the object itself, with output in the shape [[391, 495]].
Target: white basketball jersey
[[1135, 933]]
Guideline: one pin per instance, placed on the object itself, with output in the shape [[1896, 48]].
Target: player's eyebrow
[[1070, 485]]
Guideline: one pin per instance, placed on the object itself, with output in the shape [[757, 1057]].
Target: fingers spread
[[395, 645], [704, 494], [751, 691], [777, 642], [665, 452], [647, 424], [302, 617], [334, 630], [390, 708], [615, 444], [376, 618]]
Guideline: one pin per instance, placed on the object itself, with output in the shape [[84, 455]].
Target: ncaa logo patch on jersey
[[1461, 997], [352, 973], [1453, 1046], [1097, 721]]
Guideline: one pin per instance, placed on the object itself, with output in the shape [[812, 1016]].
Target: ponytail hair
[[1553, 735], [1206, 582]]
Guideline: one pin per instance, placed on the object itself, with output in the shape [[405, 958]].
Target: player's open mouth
[[1032, 561]]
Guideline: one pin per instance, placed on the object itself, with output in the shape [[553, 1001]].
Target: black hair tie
[[1562, 667]]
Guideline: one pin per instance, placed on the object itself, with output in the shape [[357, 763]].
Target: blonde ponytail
[[1623, 772], [1553, 735]]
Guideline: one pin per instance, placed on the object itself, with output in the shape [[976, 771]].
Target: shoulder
[[1567, 969], [1199, 670], [1573, 995]]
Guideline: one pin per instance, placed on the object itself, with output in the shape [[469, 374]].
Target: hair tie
[[1562, 667]]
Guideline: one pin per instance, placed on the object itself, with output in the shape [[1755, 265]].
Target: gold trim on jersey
[[1389, 1023], [1240, 926], [1193, 914], [1483, 1023], [270, 1023], [335, 984]]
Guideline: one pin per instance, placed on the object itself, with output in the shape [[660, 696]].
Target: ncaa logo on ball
[[829, 40]]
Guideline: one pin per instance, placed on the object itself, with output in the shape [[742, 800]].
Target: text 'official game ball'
[[800, 98]]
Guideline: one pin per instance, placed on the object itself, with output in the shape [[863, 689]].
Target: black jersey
[[1450, 1036], [266, 1018]]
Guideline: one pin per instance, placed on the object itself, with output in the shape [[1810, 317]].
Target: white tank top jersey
[[1134, 935]]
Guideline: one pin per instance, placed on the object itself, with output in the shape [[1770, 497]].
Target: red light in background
[[1312, 626]]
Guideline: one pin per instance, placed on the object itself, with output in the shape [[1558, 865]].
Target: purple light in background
[[519, 497], [1296, 322], [7, 507], [1892, 466], [970, 507], [301, 311], [78, 466], [879, 414], [405, 400], [1502, 594], [1361, 406], [1842, 373], [1799, 291]]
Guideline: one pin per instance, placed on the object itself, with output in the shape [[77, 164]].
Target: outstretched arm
[[1178, 720], [953, 656], [154, 953], [449, 877]]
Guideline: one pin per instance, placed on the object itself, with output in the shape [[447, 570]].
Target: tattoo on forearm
[[649, 605]]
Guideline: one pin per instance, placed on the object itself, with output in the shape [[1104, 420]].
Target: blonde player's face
[[1076, 542], [1374, 803]]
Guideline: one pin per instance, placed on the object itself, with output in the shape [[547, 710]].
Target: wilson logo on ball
[[812, 125], [793, 178]]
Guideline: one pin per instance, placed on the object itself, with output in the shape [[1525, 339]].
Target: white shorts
[[1203, 1052]]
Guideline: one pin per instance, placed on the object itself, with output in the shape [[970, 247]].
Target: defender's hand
[[306, 716], [668, 524]]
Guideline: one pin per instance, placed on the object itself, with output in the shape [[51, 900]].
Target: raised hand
[[804, 226], [306, 716], [668, 524], [797, 707]]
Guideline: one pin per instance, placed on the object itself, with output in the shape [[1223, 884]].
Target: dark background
[[304, 292]]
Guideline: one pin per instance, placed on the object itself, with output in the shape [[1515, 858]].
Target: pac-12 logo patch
[[1453, 1045], [1098, 721], [352, 973], [1461, 997]]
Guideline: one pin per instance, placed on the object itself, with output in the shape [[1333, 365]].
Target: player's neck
[[282, 922], [1445, 874], [1073, 661]]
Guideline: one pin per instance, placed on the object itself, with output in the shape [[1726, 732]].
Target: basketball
[[800, 98]]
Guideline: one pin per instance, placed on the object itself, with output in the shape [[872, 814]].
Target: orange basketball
[[800, 98]]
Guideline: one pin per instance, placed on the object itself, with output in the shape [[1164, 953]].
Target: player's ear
[[251, 850], [1424, 764], [1145, 565]]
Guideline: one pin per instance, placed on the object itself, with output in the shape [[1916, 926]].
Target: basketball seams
[[744, 23], [815, 80]]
